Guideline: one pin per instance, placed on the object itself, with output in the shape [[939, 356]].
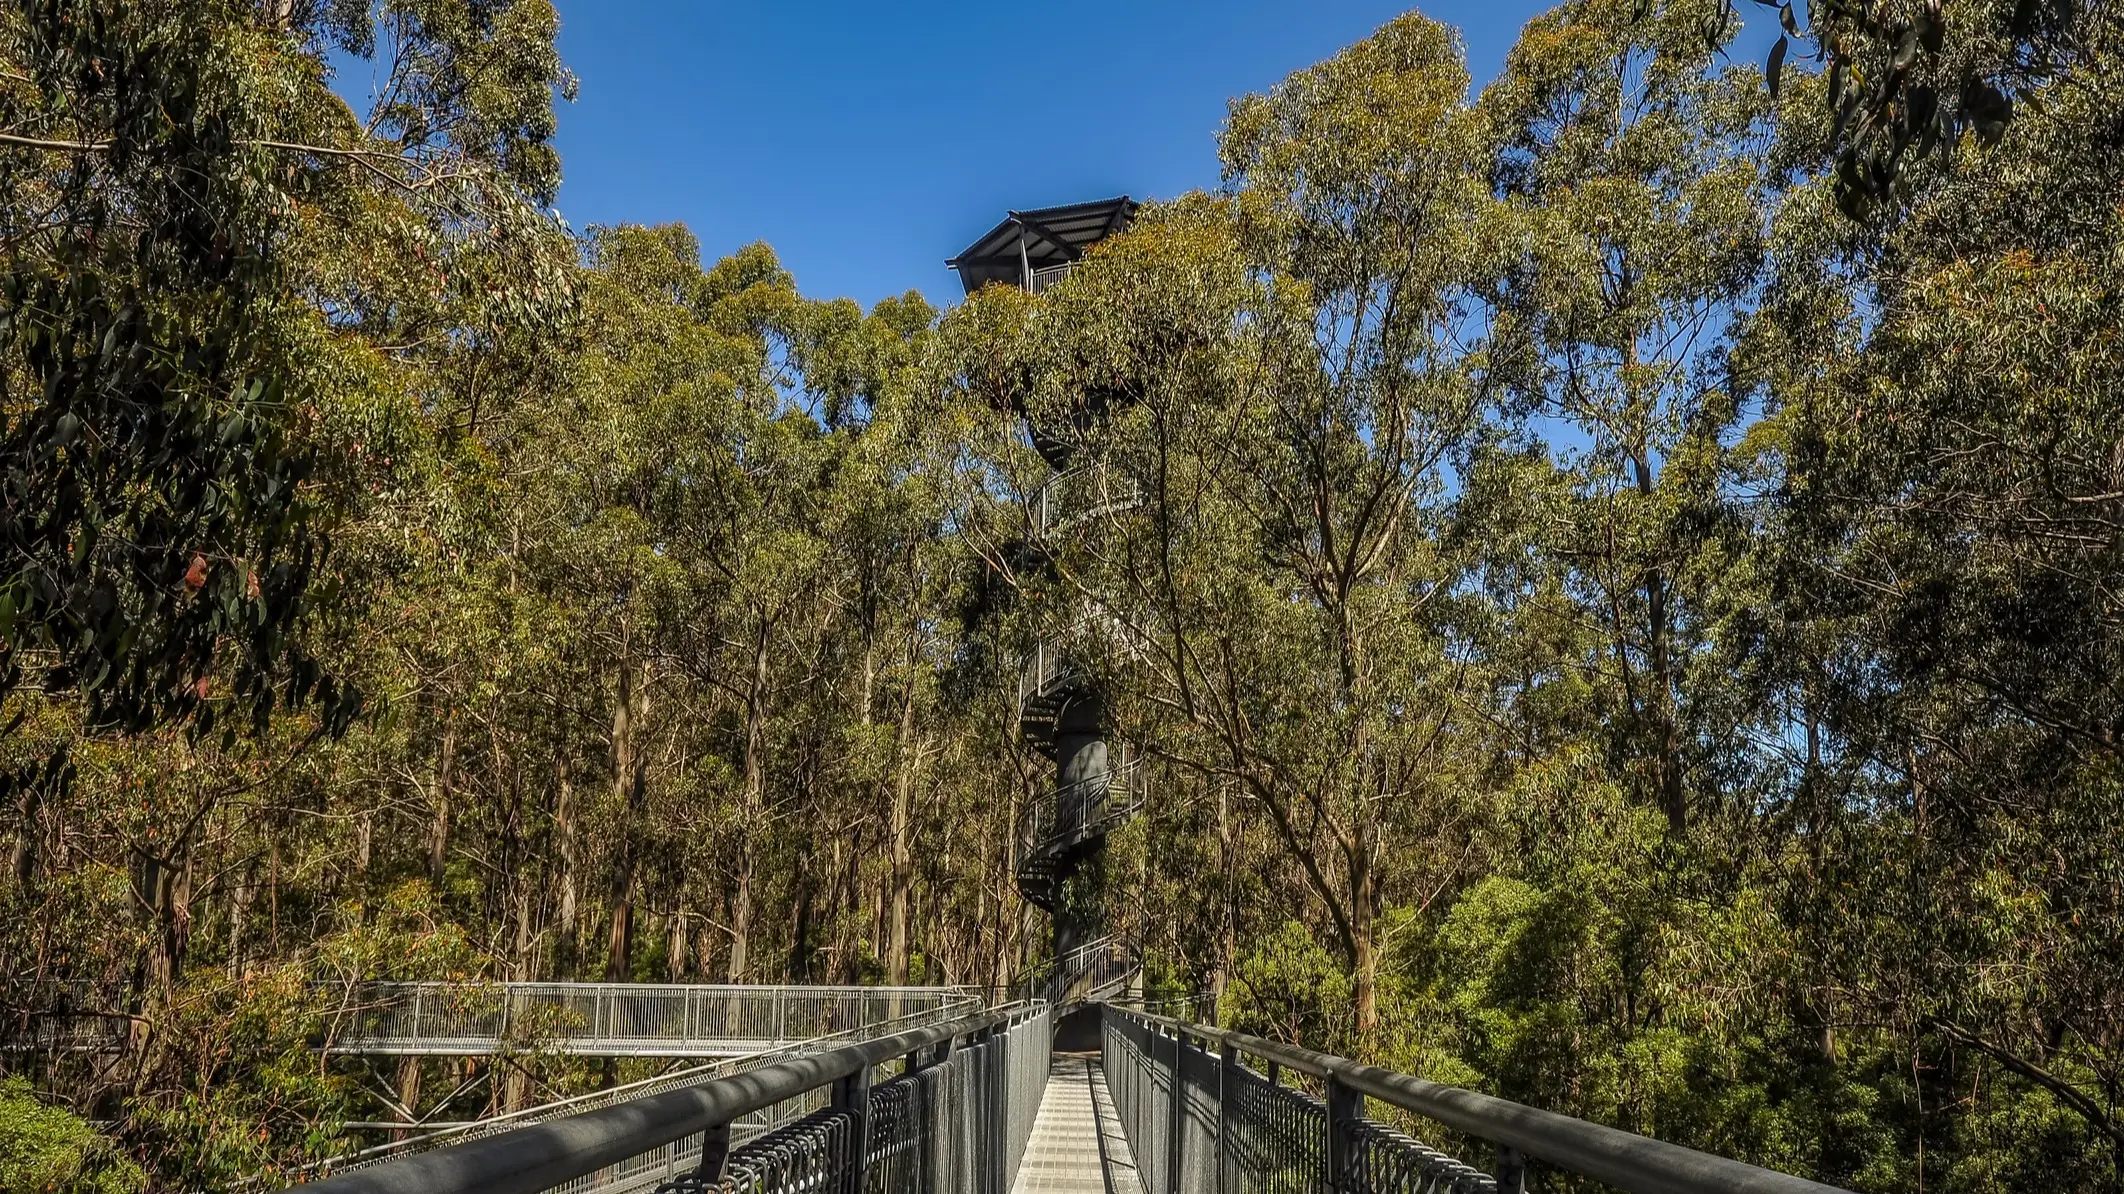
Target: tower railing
[[1200, 1119], [1040, 279], [954, 1120]]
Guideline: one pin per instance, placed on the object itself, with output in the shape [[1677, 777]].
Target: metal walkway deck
[[1077, 1146]]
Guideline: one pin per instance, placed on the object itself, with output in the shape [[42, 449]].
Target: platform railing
[[1040, 279], [1209, 1111], [955, 1120], [1080, 494], [614, 1019], [1092, 969]]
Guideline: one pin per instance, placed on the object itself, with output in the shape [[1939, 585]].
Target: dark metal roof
[[1039, 239]]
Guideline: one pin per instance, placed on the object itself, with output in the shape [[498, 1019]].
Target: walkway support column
[[1511, 1171]]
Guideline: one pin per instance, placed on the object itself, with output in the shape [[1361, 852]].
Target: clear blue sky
[[868, 142]]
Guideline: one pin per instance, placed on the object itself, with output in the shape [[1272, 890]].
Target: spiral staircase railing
[[1065, 819], [1065, 824]]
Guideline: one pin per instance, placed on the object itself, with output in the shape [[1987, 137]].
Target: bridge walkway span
[[1077, 1145]]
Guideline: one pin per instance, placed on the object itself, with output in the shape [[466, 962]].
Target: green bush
[[43, 1148]]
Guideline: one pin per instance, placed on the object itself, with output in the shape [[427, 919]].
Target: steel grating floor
[[1077, 1146]]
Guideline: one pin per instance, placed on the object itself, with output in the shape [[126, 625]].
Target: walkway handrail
[[1621, 1159], [539, 1157]]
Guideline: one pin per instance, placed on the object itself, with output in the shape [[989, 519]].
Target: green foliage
[[42, 1148]]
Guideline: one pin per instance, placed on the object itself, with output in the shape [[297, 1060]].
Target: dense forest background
[[1621, 612]]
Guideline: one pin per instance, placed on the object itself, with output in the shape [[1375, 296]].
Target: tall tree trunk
[[165, 887], [800, 946], [838, 908], [907, 757], [630, 782], [1228, 920], [1659, 701], [1364, 952], [740, 916], [755, 800], [239, 904], [675, 945], [565, 911], [408, 1091], [439, 804]]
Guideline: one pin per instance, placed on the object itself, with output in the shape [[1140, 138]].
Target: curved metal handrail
[[541, 1156], [1050, 674], [690, 1076]]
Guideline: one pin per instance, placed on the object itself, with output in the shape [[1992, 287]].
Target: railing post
[[715, 1153], [1227, 1082], [1343, 1106], [1175, 1119], [1511, 1171], [852, 1094]]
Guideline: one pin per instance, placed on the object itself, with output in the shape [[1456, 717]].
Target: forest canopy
[[1619, 607]]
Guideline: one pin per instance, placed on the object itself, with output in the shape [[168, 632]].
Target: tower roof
[[1039, 239]]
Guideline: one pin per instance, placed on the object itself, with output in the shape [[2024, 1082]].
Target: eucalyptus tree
[[1948, 532], [229, 298], [1629, 236]]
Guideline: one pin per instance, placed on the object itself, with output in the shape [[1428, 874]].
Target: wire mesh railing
[[956, 1121], [1199, 1120]]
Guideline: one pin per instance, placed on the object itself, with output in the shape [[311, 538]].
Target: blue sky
[[868, 142]]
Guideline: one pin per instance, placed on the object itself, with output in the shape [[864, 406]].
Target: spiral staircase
[[1061, 710]]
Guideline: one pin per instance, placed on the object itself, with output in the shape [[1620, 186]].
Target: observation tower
[[1061, 711]]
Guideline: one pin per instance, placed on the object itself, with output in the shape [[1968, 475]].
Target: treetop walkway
[[1165, 1107], [678, 1157]]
